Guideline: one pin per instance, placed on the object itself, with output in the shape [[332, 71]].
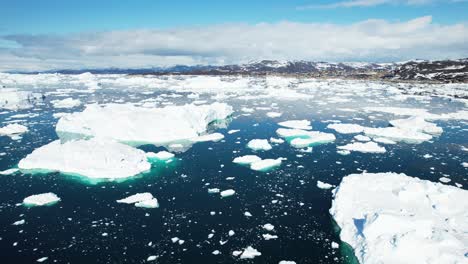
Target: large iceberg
[[131, 124], [394, 218], [94, 158]]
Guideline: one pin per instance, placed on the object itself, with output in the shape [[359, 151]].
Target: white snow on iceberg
[[145, 200], [394, 218], [259, 144], [94, 158], [66, 103], [13, 129], [131, 124], [297, 124], [368, 147], [346, 128]]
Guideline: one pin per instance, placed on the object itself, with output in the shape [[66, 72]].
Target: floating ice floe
[[266, 164], [209, 137], [362, 138], [269, 236], [138, 125], [247, 159], [227, 193], [13, 130], [259, 144], [346, 128], [274, 114], [66, 103], [13, 99], [398, 134], [94, 158], [297, 124], [250, 253], [145, 200], [268, 227], [368, 147], [323, 185], [418, 124], [287, 262], [276, 140], [401, 219], [41, 199], [384, 141], [9, 171], [303, 138]]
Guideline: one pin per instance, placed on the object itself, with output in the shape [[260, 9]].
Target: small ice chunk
[[42, 259], [445, 179], [232, 131], [247, 214], [209, 137], [296, 124], [274, 114], [231, 233], [259, 144], [214, 190], [276, 140], [335, 245], [145, 200], [287, 262], [9, 171], [174, 239], [151, 258], [323, 185], [268, 227], [227, 193], [19, 222], [216, 252], [362, 138], [368, 147], [250, 253], [269, 237], [41, 199]]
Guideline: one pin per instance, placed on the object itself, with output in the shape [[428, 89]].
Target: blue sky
[[47, 34]]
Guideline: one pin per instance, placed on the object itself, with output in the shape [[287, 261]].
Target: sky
[[47, 34]]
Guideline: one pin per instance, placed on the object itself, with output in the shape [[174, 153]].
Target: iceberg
[[145, 200], [418, 124], [13, 99], [398, 134], [323, 185], [368, 147], [259, 144], [41, 199], [401, 219], [66, 103], [227, 193], [266, 164], [94, 158], [297, 124], [247, 159], [131, 124], [303, 138], [250, 253], [13, 130], [346, 128]]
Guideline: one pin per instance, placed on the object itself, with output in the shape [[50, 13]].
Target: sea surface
[[88, 226]]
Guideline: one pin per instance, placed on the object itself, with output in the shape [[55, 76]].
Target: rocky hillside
[[443, 71]]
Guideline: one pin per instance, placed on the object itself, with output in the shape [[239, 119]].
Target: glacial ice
[[161, 155], [13, 129], [368, 147], [41, 199], [296, 124], [398, 134], [94, 158], [131, 124], [250, 253], [418, 124], [400, 219], [346, 128], [303, 138], [145, 200], [266, 164], [247, 159], [66, 103], [13, 99], [259, 144]]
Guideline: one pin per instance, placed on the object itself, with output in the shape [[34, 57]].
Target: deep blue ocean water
[[71, 231]]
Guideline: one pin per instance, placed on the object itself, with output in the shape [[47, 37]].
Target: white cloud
[[369, 40]]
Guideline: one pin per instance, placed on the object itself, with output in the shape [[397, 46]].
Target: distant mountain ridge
[[419, 70]]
